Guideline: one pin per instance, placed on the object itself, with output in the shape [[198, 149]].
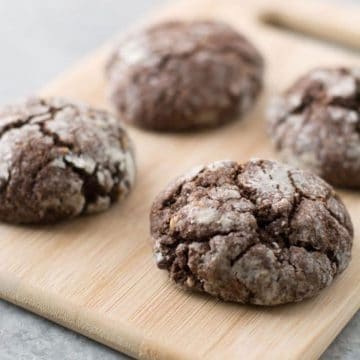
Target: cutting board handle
[[316, 19]]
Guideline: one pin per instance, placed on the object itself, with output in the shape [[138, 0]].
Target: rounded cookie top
[[59, 159], [261, 232], [315, 124], [184, 75]]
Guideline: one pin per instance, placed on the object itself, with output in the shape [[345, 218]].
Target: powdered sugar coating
[[316, 124], [60, 159], [182, 75], [261, 232]]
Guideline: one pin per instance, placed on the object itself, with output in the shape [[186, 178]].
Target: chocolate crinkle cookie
[[59, 159], [260, 233], [316, 124], [184, 75]]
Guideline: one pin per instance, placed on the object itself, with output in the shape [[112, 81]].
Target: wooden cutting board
[[96, 274]]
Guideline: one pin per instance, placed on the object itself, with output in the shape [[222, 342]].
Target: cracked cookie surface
[[260, 232], [60, 159], [316, 124], [184, 75]]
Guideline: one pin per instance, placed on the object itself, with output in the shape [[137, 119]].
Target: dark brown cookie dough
[[261, 233], [59, 159], [184, 75], [316, 124]]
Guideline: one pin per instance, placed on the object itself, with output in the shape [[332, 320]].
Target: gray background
[[39, 39]]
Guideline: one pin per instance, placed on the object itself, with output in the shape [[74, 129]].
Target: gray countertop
[[38, 40]]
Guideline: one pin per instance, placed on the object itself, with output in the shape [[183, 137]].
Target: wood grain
[[96, 274]]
